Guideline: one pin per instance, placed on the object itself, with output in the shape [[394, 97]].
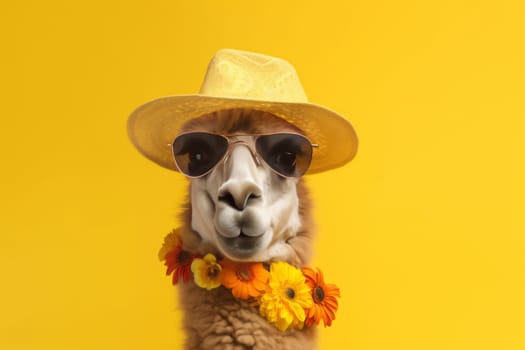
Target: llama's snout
[[238, 194]]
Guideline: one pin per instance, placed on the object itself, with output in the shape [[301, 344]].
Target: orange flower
[[244, 279], [324, 297], [178, 262]]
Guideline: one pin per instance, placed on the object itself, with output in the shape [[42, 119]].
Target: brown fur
[[215, 319]]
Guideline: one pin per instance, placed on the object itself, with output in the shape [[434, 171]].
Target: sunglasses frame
[[251, 144]]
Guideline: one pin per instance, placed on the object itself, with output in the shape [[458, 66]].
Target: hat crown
[[244, 80], [248, 75]]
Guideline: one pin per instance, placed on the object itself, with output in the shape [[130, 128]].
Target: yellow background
[[423, 232]]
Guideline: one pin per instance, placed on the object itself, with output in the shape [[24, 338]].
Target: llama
[[248, 217], [215, 319]]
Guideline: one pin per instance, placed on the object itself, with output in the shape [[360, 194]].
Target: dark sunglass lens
[[287, 154], [197, 153]]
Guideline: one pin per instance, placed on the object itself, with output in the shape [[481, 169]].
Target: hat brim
[[153, 126]]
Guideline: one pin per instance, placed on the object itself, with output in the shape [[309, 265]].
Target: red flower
[[324, 296], [178, 262]]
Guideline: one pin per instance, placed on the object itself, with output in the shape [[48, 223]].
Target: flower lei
[[286, 296]]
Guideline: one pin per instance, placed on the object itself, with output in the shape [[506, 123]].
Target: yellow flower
[[207, 272], [286, 298], [171, 241]]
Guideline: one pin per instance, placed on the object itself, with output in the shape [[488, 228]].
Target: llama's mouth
[[242, 246]]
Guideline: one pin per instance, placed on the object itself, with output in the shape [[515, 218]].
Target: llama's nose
[[239, 194], [240, 187]]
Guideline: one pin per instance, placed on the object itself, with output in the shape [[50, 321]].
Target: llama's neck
[[216, 320]]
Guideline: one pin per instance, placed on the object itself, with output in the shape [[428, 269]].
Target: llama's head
[[242, 207]]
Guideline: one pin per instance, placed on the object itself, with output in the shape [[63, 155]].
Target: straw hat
[[238, 79]]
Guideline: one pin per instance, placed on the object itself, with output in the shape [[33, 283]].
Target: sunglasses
[[198, 153]]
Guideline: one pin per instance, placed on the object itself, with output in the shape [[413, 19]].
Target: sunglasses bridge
[[233, 143]]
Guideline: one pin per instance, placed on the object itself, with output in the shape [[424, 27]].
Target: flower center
[[244, 274], [318, 294], [213, 271], [290, 293], [184, 257]]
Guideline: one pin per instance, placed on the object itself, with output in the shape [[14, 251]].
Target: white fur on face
[[244, 209]]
